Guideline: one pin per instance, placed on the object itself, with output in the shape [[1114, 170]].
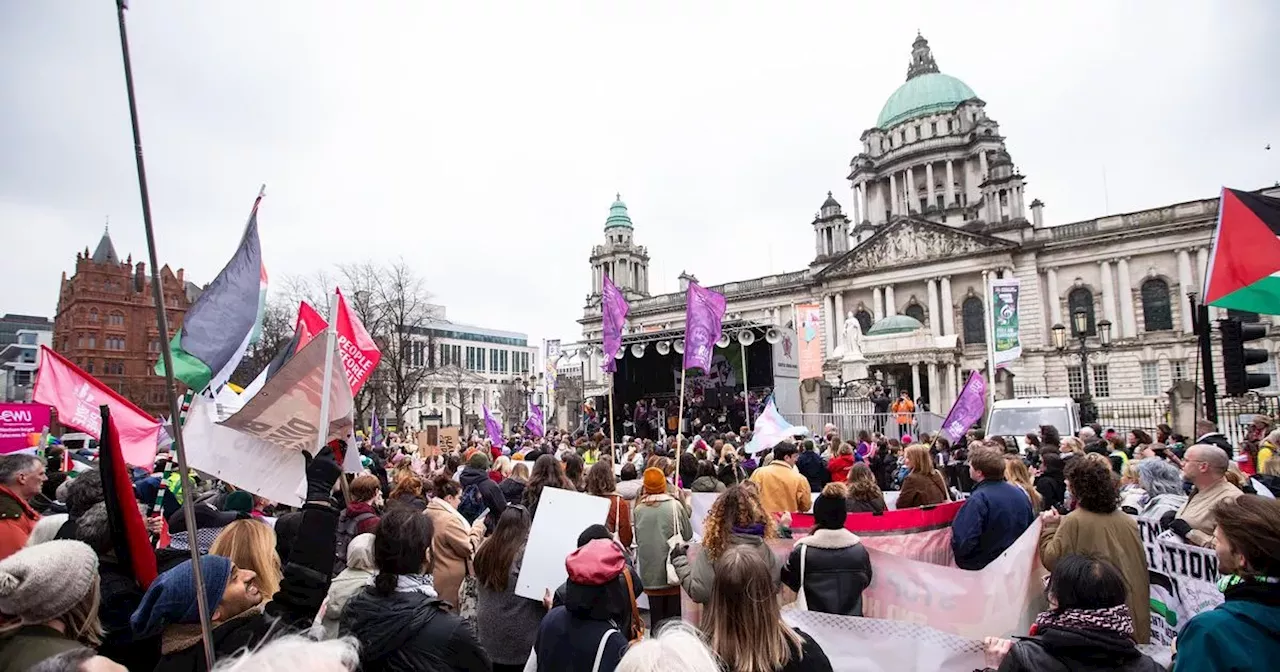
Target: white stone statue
[[852, 338]]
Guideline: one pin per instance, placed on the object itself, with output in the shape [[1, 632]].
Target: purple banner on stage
[[703, 312], [968, 408], [492, 427], [534, 423], [613, 309]]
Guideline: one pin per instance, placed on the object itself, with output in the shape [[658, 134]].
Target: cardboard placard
[[433, 441]]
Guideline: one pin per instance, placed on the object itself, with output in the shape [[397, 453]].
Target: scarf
[[179, 636], [1228, 581], [754, 529], [179, 541], [415, 583], [1111, 619], [466, 525]]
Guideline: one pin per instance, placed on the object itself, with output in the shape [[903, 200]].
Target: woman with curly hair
[[737, 518], [865, 495], [1097, 527]]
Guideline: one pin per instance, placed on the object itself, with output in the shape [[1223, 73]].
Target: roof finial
[[617, 195], [107, 227]]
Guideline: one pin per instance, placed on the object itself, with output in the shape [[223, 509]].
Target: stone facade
[[938, 210], [106, 323]]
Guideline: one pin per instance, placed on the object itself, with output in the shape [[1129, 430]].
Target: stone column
[[915, 381], [950, 188], [893, 193], [839, 324], [911, 191], [934, 396], [1127, 313], [1055, 302], [1186, 283], [1197, 278], [857, 202], [1108, 292], [877, 304], [862, 195], [982, 166], [928, 176], [890, 306], [935, 315], [829, 307], [948, 312]]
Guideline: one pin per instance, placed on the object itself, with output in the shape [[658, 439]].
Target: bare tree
[[277, 329], [511, 399], [459, 384]]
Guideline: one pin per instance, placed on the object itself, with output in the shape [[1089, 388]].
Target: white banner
[[1184, 580], [245, 461]]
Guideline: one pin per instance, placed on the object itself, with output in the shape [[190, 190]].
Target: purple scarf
[[754, 529]]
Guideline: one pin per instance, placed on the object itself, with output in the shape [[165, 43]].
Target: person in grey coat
[[737, 518], [359, 572], [506, 624]]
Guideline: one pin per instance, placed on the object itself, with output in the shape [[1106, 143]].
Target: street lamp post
[[1080, 329]]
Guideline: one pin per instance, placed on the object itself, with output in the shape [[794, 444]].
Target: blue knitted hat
[[172, 596]]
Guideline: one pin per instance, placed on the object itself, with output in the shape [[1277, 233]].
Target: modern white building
[[19, 361], [938, 208], [471, 367]]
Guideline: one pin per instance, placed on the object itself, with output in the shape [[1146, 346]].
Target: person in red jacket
[[840, 464], [21, 477]]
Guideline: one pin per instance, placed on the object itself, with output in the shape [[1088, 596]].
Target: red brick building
[[106, 322]]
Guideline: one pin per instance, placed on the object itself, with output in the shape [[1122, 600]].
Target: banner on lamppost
[[1004, 318]]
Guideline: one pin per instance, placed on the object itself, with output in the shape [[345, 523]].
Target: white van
[[1018, 417]]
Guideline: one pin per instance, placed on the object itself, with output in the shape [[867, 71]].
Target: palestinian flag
[[1244, 263], [225, 320]]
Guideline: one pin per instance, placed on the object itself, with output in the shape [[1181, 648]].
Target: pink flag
[[360, 355], [77, 396]]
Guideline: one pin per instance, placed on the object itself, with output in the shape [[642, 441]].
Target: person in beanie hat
[[830, 565], [49, 598], [238, 618], [659, 516], [583, 634], [479, 492]]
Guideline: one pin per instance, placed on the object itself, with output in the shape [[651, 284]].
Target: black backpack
[[348, 529], [472, 503]]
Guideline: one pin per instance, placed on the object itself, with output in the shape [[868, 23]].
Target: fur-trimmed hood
[[831, 539]]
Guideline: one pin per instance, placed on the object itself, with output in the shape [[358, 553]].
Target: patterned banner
[[1004, 307]]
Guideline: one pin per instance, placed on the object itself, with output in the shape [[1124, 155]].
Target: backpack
[[472, 504], [348, 528]]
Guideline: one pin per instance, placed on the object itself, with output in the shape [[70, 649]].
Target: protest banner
[[810, 321], [428, 443], [562, 516], [1184, 580], [18, 422], [360, 354], [1004, 301], [245, 461]]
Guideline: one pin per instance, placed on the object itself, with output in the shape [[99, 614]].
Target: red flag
[[360, 355], [128, 532], [77, 395], [309, 325]]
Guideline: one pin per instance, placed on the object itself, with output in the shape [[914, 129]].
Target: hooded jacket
[[707, 484], [837, 568], [490, 493], [813, 469], [1238, 634], [512, 490], [1071, 650], [410, 631], [839, 467]]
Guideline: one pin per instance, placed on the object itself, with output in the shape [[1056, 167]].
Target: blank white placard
[[562, 516]]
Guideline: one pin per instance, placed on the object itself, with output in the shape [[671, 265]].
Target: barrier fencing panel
[[849, 424]]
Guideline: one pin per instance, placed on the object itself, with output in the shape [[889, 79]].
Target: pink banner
[[809, 331], [360, 355], [18, 422]]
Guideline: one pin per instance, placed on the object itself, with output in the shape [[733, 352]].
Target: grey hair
[[85, 491], [93, 528], [15, 463], [1158, 477], [360, 552], [1274, 437], [290, 653], [677, 647], [1087, 433]]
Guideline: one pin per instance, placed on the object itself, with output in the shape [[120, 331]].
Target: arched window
[[916, 312], [93, 314], [1156, 315], [975, 322], [116, 319], [864, 320], [1081, 299]]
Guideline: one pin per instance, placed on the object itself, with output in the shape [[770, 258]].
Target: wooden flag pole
[[612, 438], [162, 324]]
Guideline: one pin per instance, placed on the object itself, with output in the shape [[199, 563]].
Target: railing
[[1235, 414], [1025, 391], [1142, 414], [849, 424]]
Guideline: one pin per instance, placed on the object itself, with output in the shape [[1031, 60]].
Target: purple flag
[[534, 423], [375, 433], [702, 316], [492, 427], [967, 409], [613, 310]]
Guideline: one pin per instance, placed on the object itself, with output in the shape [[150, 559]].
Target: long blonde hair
[[919, 460], [743, 622], [251, 544], [1016, 472]]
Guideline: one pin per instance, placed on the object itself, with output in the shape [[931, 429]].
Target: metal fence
[[1142, 414], [849, 424], [1235, 414]]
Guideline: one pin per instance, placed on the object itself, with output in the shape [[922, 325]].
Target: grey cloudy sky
[[484, 141]]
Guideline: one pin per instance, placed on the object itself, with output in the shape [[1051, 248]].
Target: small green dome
[[923, 94], [894, 324], [618, 214]]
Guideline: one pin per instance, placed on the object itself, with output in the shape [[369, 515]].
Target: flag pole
[[611, 432], [679, 426], [746, 389], [162, 324], [330, 340], [991, 339]]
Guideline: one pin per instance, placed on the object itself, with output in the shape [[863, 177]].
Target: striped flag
[[225, 320], [770, 428], [1244, 264]]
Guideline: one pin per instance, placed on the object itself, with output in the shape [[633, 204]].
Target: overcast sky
[[484, 141]]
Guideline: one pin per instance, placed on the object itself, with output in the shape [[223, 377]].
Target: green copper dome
[[894, 324], [923, 94], [618, 214]]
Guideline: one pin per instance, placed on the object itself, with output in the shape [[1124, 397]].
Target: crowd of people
[[413, 563]]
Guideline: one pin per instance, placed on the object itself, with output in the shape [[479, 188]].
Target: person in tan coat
[[924, 485], [1205, 467], [454, 543], [782, 488], [1099, 529]]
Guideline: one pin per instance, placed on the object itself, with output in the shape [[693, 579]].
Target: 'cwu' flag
[[1244, 262], [225, 320]]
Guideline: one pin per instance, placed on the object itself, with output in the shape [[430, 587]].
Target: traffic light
[[1236, 357]]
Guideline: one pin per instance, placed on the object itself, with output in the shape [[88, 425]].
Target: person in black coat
[[476, 474], [400, 620], [583, 634], [830, 565], [168, 607], [814, 469], [1052, 484], [1088, 625]]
